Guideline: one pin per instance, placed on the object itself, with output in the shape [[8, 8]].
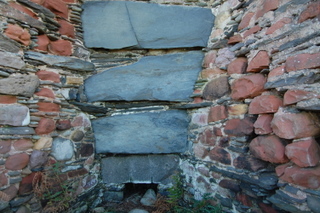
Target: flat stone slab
[[142, 133], [17, 131], [14, 114], [139, 169], [124, 24], [168, 77], [19, 85], [12, 60]]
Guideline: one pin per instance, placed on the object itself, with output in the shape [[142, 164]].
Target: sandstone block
[[63, 124], [8, 99], [277, 71], [313, 10], [46, 92], [265, 104], [239, 127], [216, 88], [57, 7], [45, 126], [22, 145], [304, 152], [259, 62], [235, 39], [9, 85], [23, 9], [60, 47], [43, 143], [245, 21], [43, 42], [18, 34], [48, 76], [302, 61], [251, 31], [262, 126], [238, 66], [278, 25], [14, 114], [17, 161], [74, 80], [248, 86], [211, 73], [237, 109], [294, 96], [66, 28], [266, 6], [217, 113], [221, 155]]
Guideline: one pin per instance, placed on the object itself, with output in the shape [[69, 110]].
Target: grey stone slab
[[19, 85], [17, 131], [14, 114], [144, 25], [9, 45], [12, 60], [139, 169], [142, 133], [62, 149], [169, 77]]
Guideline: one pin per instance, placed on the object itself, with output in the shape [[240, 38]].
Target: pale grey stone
[[8, 45], [24, 85], [149, 198], [14, 115], [17, 131], [62, 149], [11, 60]]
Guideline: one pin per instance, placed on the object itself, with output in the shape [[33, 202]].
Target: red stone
[[63, 124], [200, 151], [48, 107], [249, 163], [265, 104], [60, 47], [295, 125], [303, 61], [267, 208], [217, 131], [244, 199], [77, 173], [259, 62], [86, 150], [211, 73], [18, 34], [304, 152], [312, 11], [38, 1], [209, 59], [239, 127], [45, 92], [43, 42], [17, 161], [58, 7], [81, 120], [23, 9], [5, 146], [207, 137], [245, 21], [66, 28], [220, 155], [235, 39], [45, 126], [48, 76], [8, 99], [269, 148], [262, 126], [267, 5], [217, 113], [11, 191], [238, 66], [25, 186], [294, 96], [251, 31], [248, 86], [277, 71], [306, 177], [230, 184], [3, 180], [23, 145], [278, 25]]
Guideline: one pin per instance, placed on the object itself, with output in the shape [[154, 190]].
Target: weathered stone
[[57, 6], [10, 85], [302, 61], [313, 203], [149, 198], [221, 155], [151, 78], [36, 6], [298, 41], [278, 25], [139, 169], [245, 21], [62, 149], [251, 31], [235, 39], [266, 6], [61, 61], [230, 184], [23, 9], [18, 34], [23, 145], [63, 124], [48, 107], [265, 104], [38, 159], [17, 161], [217, 113], [209, 59], [60, 47], [17, 131], [25, 186], [200, 151], [66, 28], [211, 73], [269, 148], [259, 62], [14, 114], [313, 10], [5, 146], [45, 126], [43, 42], [294, 96], [239, 127], [46, 92], [207, 137], [295, 125], [224, 57], [311, 104], [8, 99], [277, 71], [81, 120], [48, 76], [249, 163], [4, 181], [77, 136], [238, 109], [8, 45], [238, 66], [216, 88], [163, 26], [304, 152], [262, 126], [248, 86], [159, 132], [43, 143], [86, 150], [11, 60]]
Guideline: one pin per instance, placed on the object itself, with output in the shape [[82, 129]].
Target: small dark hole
[[134, 188]]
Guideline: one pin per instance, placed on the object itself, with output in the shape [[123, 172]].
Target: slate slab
[[14, 114], [12, 85], [12, 60], [139, 169], [168, 77], [142, 133], [9, 45], [17, 131], [126, 24]]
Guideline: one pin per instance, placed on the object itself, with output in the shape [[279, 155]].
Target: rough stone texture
[[63, 124], [237, 109], [277, 71], [211, 73], [14, 114], [38, 159], [18, 34], [207, 137], [217, 113], [164, 26], [249, 163], [266, 6], [278, 25], [43, 143], [238, 66], [139, 169], [245, 21], [149, 198], [265, 104], [43, 42], [22, 145], [302, 61], [5, 146], [8, 99], [248, 86], [23, 9], [259, 62], [216, 88], [269, 148], [62, 149], [8, 45], [313, 203], [209, 59], [45, 126], [48, 107], [57, 6], [48, 76], [312, 11], [262, 126], [46, 92], [159, 132], [11, 60], [294, 96], [295, 125], [151, 78], [230, 184], [239, 127], [220, 155], [60, 47], [10, 85], [251, 31], [25, 186], [17, 131], [66, 28], [17, 161], [304, 152]]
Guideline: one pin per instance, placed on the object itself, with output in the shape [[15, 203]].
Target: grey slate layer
[[169, 77], [142, 133], [125, 24]]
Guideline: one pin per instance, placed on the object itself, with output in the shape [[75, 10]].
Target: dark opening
[[138, 188]]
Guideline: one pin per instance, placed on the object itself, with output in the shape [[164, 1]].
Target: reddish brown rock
[[220, 155], [207, 137], [295, 125], [217, 113], [66, 28], [11, 191], [235, 39], [43, 42], [200, 151], [63, 124], [5, 146], [81, 120], [60, 47], [216, 88], [45, 126], [267, 5], [267, 208], [209, 59], [86, 150], [259, 62], [48, 76], [22, 145], [277, 71], [262, 126], [25, 186], [245, 21], [17, 161], [244, 199], [269, 148], [58, 7], [248, 86], [230, 184], [38, 159], [238, 66], [249, 163], [278, 25], [8, 99], [18, 34], [76, 173], [313, 10], [48, 107], [4, 181], [265, 104], [304, 152], [303, 61], [217, 131], [239, 127], [251, 31], [23, 9], [294, 96], [210, 73], [46, 92]]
